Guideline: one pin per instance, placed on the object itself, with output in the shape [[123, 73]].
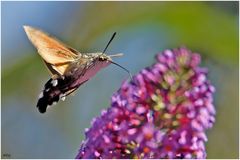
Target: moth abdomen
[[52, 92]]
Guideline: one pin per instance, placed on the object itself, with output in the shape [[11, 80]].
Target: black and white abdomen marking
[[54, 90]]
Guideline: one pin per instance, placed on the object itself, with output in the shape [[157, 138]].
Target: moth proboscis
[[69, 68]]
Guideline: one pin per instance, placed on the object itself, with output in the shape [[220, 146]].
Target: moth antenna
[[109, 42], [122, 68], [116, 55]]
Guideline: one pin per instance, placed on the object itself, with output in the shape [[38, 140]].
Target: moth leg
[[71, 92]]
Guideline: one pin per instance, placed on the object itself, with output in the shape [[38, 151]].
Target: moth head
[[104, 57]]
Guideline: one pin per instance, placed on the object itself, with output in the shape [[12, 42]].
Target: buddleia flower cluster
[[163, 112]]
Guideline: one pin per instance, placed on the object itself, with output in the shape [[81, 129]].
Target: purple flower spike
[[162, 113]]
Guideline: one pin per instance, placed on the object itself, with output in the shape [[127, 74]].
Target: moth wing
[[52, 70], [54, 53], [57, 69]]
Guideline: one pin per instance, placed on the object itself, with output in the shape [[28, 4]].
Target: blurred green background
[[143, 29]]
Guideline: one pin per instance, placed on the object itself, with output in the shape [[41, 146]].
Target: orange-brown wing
[[56, 69], [51, 50]]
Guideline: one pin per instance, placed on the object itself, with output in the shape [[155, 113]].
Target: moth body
[[69, 68], [76, 74], [84, 69]]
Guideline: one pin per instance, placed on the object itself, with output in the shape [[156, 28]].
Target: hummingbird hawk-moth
[[69, 68]]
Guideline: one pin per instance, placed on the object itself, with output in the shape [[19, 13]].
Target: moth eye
[[102, 58]]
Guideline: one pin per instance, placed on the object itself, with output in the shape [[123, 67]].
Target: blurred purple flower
[[162, 113]]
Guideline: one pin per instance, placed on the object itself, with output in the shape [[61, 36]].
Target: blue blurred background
[[143, 29]]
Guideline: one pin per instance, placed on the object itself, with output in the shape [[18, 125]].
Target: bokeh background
[[143, 29]]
